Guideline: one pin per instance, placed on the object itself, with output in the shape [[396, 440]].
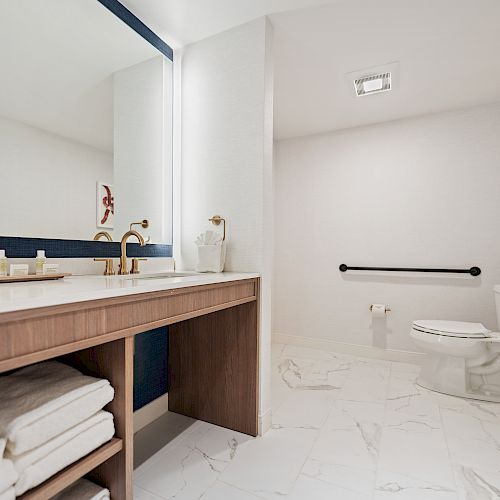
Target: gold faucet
[[103, 233], [109, 270], [123, 247]]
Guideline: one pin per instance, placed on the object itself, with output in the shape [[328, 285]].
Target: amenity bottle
[[40, 261], [3, 263]]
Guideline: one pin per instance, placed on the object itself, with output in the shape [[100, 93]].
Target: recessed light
[[372, 84]]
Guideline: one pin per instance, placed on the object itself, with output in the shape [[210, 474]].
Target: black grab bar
[[473, 271]]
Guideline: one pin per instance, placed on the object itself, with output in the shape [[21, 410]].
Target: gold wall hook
[[144, 223], [216, 220]]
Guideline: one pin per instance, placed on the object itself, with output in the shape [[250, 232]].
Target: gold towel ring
[[216, 220]]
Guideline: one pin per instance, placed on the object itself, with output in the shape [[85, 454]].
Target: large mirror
[[85, 123]]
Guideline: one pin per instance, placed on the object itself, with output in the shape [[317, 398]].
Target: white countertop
[[22, 296]]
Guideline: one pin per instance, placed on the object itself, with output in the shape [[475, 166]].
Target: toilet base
[[461, 394], [449, 375]]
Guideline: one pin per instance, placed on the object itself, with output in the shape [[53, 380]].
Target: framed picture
[[105, 205]]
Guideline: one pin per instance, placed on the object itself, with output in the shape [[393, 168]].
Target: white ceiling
[[181, 22], [448, 53], [57, 57], [56, 60]]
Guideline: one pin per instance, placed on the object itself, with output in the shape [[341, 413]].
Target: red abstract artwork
[[105, 205]]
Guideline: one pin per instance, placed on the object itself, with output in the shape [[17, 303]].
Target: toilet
[[462, 358]]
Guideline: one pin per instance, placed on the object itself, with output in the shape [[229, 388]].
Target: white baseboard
[[150, 412], [352, 349], [264, 422]]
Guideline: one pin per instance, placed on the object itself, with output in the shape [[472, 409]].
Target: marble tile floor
[[344, 428]]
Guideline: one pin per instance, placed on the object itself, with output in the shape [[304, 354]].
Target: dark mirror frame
[[20, 247]]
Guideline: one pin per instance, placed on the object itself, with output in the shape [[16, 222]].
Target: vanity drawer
[[33, 335]]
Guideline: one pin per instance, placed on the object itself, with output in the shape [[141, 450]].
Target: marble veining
[[479, 485], [344, 428]]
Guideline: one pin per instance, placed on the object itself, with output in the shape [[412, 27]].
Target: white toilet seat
[[448, 345], [453, 329]]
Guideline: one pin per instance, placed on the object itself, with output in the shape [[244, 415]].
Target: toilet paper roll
[[378, 310]]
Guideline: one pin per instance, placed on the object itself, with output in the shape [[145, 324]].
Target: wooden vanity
[[213, 360]]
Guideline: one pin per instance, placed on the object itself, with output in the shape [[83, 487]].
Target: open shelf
[[73, 472]]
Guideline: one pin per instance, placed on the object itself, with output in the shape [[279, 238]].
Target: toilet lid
[[451, 328]]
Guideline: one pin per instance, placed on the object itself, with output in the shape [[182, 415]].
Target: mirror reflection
[[85, 124]]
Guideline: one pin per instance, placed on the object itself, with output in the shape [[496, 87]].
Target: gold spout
[[123, 248], [103, 233], [108, 271]]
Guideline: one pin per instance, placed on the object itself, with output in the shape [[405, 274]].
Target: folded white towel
[[9, 494], [8, 474], [209, 238], [43, 400], [84, 490], [37, 465]]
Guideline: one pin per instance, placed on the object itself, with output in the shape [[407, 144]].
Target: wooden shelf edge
[[73, 472]]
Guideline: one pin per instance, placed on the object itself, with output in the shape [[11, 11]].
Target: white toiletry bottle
[[40, 261], [3, 263]]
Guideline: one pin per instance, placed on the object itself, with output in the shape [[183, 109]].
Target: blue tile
[[16, 247], [150, 366]]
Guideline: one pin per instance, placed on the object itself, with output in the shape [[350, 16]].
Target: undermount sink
[[159, 276]]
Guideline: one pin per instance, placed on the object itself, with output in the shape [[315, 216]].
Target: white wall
[[143, 147], [227, 158], [48, 183], [422, 192]]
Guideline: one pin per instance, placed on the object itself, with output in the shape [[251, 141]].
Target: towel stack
[[8, 475], [83, 490], [51, 416]]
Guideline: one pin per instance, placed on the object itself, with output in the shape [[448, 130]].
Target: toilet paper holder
[[387, 309]]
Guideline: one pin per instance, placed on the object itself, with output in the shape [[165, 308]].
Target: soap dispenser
[[3, 263], [40, 261]]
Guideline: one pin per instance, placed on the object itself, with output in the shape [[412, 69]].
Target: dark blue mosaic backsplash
[[16, 247]]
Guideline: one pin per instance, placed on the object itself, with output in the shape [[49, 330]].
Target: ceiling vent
[[373, 84]]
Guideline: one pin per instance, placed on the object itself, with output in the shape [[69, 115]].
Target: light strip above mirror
[[120, 11]]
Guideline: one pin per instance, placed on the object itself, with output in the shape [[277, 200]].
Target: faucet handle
[[109, 270], [135, 265]]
